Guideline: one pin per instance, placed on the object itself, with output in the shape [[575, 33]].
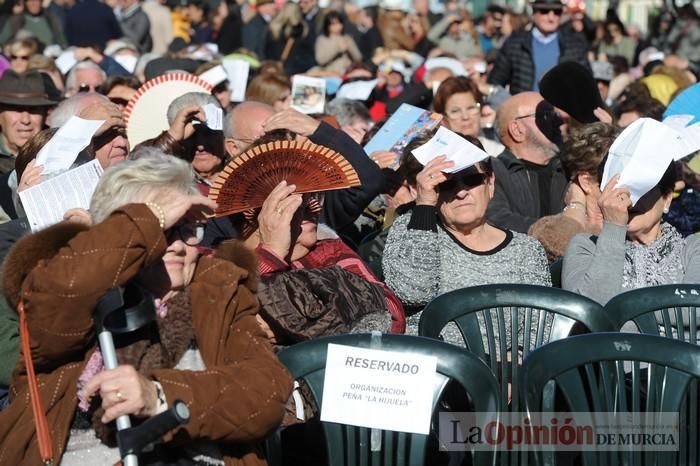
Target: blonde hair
[[288, 17]]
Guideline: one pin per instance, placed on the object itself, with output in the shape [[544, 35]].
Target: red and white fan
[[146, 113], [248, 179]]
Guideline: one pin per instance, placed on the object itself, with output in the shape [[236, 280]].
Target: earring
[[666, 209]]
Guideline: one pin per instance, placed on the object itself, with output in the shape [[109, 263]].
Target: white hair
[[348, 111], [71, 107], [132, 180], [72, 78], [191, 98]]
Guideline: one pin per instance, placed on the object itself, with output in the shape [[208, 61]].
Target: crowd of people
[[544, 93]]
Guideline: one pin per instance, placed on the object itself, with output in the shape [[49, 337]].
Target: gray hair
[[72, 78], [132, 180], [191, 98], [71, 107], [347, 111]]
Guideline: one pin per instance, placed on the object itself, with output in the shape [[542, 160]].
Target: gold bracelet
[[161, 213]]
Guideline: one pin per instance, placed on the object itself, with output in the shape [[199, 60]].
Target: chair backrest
[[530, 316], [606, 372], [349, 445], [666, 310]]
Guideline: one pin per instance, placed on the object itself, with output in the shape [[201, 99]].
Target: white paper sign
[[214, 76], [690, 135], [237, 71], [356, 90], [457, 149], [46, 202], [378, 389], [308, 94], [215, 117], [641, 154], [61, 151]]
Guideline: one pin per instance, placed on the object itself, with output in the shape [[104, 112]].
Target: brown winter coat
[[237, 401]]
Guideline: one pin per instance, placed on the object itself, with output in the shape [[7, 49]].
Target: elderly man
[[530, 182], [23, 108], [528, 54], [250, 120]]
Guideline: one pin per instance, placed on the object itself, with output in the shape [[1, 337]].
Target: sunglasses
[[191, 234], [19, 57], [86, 88], [546, 11], [467, 181], [119, 101]]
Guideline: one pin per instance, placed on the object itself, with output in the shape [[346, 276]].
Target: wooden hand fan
[[248, 179]]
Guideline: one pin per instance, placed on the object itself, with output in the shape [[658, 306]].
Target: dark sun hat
[[25, 89]]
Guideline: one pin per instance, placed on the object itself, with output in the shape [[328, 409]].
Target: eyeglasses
[[20, 57], [546, 11], [86, 88], [191, 234], [457, 111], [467, 181]]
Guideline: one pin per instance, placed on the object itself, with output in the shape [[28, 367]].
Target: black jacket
[[340, 207], [515, 66], [255, 34], [517, 203]]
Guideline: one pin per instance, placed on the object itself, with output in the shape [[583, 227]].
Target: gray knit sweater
[[422, 260]]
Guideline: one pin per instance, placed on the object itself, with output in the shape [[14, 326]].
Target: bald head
[[73, 106], [244, 124], [515, 123]]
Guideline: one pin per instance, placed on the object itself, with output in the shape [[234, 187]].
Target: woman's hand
[[384, 159], [79, 216], [266, 329], [182, 127], [123, 391], [275, 218], [176, 205], [31, 176], [429, 178], [292, 120], [615, 203]]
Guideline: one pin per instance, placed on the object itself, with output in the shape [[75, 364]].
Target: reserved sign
[[378, 389]]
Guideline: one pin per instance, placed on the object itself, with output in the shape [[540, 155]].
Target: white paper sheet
[[457, 149], [61, 151], [690, 135], [356, 90], [678, 122], [66, 61], [46, 203], [308, 94], [641, 154], [214, 76], [128, 62], [237, 71], [378, 389], [215, 117]]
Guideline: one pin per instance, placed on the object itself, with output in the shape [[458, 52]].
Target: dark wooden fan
[[248, 179]]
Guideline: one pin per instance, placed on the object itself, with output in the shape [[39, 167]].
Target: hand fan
[[146, 114], [248, 179]]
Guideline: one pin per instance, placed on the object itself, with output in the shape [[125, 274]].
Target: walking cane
[[121, 311]]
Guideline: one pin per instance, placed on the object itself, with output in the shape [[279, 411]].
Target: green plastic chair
[[670, 311], [466, 307], [659, 310], [349, 445], [604, 372]]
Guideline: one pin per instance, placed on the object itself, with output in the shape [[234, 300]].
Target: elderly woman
[[189, 137], [297, 253], [635, 248], [206, 349], [583, 151], [459, 101], [444, 243]]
